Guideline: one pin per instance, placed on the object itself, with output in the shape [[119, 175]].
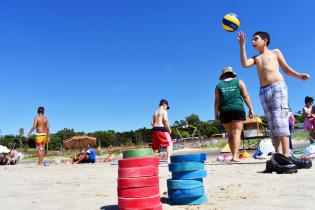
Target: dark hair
[[263, 35], [40, 110], [163, 101], [308, 99], [229, 75]]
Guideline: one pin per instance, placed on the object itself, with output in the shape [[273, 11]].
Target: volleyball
[[230, 22]]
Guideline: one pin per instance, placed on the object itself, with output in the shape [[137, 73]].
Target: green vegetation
[[110, 138], [137, 138]]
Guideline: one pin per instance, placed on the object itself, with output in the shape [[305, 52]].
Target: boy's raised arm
[[245, 62]]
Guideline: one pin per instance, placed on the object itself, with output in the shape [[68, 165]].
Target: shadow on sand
[[164, 200], [110, 207]]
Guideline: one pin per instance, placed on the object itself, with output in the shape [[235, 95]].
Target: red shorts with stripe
[[160, 137]]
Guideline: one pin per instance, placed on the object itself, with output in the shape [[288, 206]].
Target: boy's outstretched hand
[[241, 37], [304, 76]]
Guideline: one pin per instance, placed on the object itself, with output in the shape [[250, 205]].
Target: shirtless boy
[[161, 129], [42, 134], [273, 92]]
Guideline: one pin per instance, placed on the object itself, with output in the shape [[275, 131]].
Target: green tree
[[104, 138], [193, 119]]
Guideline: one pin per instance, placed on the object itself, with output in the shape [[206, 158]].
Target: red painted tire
[[139, 203], [138, 162], [137, 182], [138, 192], [138, 172], [158, 207]]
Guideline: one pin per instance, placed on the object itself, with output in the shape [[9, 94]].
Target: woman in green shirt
[[230, 94]]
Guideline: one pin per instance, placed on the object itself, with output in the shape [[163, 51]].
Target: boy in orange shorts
[[42, 134]]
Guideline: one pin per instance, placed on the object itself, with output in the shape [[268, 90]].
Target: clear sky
[[101, 65]]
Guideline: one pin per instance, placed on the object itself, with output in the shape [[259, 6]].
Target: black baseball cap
[[163, 101]]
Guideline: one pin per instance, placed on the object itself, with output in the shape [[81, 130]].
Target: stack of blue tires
[[186, 186]]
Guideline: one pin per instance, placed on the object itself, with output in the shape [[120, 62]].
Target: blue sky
[[101, 65]]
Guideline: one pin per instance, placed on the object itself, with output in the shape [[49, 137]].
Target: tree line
[[108, 138], [205, 129]]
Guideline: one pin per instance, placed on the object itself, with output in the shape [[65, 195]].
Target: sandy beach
[[93, 186]]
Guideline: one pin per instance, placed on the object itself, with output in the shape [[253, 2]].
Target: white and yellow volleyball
[[230, 22]]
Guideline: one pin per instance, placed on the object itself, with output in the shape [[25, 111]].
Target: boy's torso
[[268, 68]]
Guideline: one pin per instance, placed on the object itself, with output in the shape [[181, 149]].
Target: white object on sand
[[4, 149], [266, 146]]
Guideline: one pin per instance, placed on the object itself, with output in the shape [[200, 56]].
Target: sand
[[93, 186]]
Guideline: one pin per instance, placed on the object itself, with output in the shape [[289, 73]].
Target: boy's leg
[[169, 150], [40, 157], [281, 145], [285, 145], [279, 119]]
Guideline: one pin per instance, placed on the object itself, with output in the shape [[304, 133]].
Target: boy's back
[[41, 124], [158, 118]]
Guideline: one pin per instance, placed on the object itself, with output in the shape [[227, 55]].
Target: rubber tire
[[184, 193], [137, 153], [189, 201], [138, 192], [144, 202], [137, 182], [189, 166], [189, 174], [189, 158], [138, 162], [138, 172], [184, 184]]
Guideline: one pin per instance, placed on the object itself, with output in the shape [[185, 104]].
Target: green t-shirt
[[230, 96]]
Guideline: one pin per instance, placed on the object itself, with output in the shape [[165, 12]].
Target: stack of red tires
[[138, 181]]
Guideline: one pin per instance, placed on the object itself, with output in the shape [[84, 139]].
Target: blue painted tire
[[188, 158], [189, 201], [189, 166], [189, 174], [184, 193], [184, 184]]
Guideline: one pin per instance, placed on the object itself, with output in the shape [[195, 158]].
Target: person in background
[[230, 95], [42, 134], [86, 156], [161, 131], [291, 126]]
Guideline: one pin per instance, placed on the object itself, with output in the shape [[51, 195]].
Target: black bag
[[280, 164]]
